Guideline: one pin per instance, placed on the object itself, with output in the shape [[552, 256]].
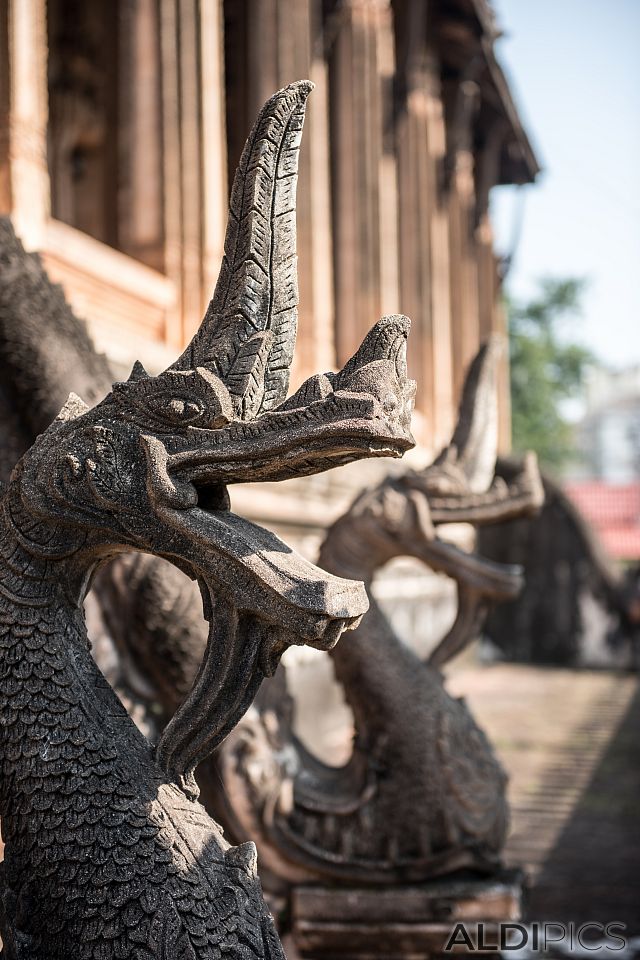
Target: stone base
[[401, 923]]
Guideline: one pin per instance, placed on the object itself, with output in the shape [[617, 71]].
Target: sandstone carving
[[423, 793], [108, 853]]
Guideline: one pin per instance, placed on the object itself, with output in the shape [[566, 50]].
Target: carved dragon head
[[401, 516], [148, 467]]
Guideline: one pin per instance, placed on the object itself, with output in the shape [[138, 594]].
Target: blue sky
[[574, 67]]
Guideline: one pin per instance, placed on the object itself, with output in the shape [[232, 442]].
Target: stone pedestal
[[404, 922]]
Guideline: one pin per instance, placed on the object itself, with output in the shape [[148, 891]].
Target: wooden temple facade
[[121, 122]]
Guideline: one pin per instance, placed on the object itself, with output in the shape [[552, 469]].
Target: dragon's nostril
[[390, 404], [213, 496]]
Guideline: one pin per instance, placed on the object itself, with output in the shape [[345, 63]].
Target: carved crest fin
[[474, 444], [257, 289], [74, 406], [138, 372]]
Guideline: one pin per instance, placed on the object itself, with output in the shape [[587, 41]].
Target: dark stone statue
[[46, 353], [563, 561], [423, 794], [108, 853]]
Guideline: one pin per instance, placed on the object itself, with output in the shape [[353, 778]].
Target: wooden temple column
[[388, 176], [488, 286], [501, 326], [315, 239], [140, 214], [268, 44], [172, 208], [24, 177], [300, 54], [493, 320], [465, 322], [194, 156], [444, 408], [364, 177], [424, 229], [487, 175], [214, 147], [491, 310]]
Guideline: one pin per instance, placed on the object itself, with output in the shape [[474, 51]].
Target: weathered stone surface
[[108, 854], [422, 794]]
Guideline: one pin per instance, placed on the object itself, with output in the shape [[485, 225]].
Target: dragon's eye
[[183, 411], [179, 399]]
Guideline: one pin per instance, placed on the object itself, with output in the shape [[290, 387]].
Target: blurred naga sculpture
[[108, 853], [568, 578], [422, 794]]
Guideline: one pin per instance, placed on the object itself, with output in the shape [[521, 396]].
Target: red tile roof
[[614, 512]]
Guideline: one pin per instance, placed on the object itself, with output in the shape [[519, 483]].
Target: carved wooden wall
[[120, 119]]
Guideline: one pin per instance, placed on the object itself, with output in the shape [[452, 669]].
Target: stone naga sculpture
[[46, 351], [108, 853], [422, 794], [155, 635]]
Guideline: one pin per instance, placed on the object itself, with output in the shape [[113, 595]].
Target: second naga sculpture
[[422, 794], [108, 853]]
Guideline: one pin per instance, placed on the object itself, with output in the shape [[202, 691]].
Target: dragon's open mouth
[[256, 571], [479, 580], [437, 503], [259, 597]]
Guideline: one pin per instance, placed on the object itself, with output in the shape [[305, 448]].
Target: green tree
[[546, 369]]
